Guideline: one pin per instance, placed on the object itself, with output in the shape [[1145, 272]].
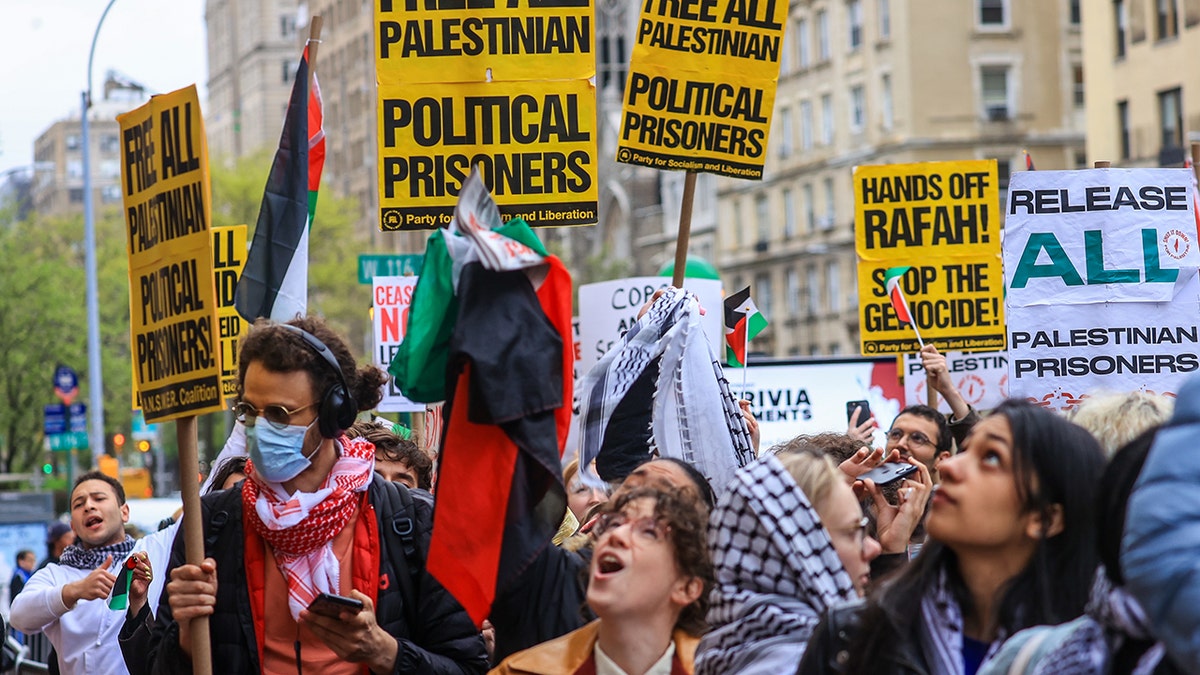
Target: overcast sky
[[44, 52]]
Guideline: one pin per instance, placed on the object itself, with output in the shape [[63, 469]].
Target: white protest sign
[[810, 398], [392, 299], [981, 378], [609, 308], [1101, 278]]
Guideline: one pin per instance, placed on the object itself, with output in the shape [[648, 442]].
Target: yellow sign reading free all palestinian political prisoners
[[172, 304], [499, 85], [942, 221], [701, 85]]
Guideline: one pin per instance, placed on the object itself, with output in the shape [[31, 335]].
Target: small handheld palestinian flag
[[119, 600], [891, 283], [743, 321]]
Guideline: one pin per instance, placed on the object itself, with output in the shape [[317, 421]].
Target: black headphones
[[337, 410]]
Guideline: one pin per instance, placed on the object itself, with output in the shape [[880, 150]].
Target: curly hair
[[1117, 419], [686, 518], [283, 351], [839, 446], [391, 447]]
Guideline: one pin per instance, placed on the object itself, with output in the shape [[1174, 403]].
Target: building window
[[802, 43], [75, 195], [762, 294], [1166, 20], [110, 168], [1122, 24], [813, 291], [810, 208], [822, 36], [833, 286], [826, 119], [110, 194], [785, 54], [1170, 115], [762, 214], [110, 143], [885, 19], [885, 87], [994, 81], [858, 108], [1078, 99], [806, 125], [1123, 128], [74, 168], [789, 213], [792, 284], [786, 131], [991, 13], [1074, 12], [73, 142], [854, 14], [289, 72], [830, 209], [287, 25]]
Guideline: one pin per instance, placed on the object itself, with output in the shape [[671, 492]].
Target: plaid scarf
[[777, 573], [300, 527], [82, 558], [695, 417]]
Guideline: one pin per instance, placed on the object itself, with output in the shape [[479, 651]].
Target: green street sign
[[71, 440], [388, 265]]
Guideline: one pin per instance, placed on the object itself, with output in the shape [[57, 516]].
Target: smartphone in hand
[[328, 604], [889, 472], [864, 411]]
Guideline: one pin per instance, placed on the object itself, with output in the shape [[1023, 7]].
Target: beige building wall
[[252, 57], [926, 81], [57, 187], [1143, 91]]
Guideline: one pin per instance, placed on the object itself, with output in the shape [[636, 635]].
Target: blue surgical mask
[[278, 454]]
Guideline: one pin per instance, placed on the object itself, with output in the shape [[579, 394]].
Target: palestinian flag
[[119, 600], [891, 282], [274, 282], [743, 321], [1028, 161]]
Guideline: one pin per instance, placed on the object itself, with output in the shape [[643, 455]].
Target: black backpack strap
[[219, 514], [398, 530]]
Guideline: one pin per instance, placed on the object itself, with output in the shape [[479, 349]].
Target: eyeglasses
[[914, 437], [275, 415], [648, 528], [858, 533]]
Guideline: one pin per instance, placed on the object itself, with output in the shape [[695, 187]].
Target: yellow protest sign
[[229, 257], [502, 86], [702, 85], [172, 305], [940, 220]]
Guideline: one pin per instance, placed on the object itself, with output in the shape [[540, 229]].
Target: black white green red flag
[[274, 283], [743, 322]]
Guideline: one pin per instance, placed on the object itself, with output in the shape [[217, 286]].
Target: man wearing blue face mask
[[311, 518]]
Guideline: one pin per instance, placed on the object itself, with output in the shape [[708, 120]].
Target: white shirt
[[606, 666], [158, 546], [85, 636]]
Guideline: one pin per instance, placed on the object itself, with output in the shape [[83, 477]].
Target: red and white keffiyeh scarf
[[300, 527]]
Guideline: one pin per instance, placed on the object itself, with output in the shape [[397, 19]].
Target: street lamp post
[[95, 377]]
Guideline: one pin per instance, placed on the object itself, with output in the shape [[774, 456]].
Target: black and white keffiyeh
[[82, 558], [777, 572], [942, 630], [695, 416]]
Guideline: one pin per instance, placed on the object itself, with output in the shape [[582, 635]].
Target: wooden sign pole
[[193, 532], [685, 228]]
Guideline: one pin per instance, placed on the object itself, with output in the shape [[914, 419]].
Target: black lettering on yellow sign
[[508, 35], [226, 267], [688, 134], [519, 173], [178, 154], [138, 151], [167, 215], [942, 314], [926, 225], [709, 99], [169, 291], [459, 5], [484, 120], [716, 41], [752, 13], [174, 349]]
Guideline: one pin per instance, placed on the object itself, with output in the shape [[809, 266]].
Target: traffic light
[[118, 441], [47, 468], [143, 446]]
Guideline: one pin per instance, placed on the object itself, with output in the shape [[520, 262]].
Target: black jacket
[[828, 650], [548, 600], [445, 641]]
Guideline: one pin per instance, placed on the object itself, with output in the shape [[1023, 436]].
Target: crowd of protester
[[1018, 541]]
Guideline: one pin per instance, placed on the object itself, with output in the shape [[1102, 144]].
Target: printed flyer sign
[[981, 378], [1102, 286], [392, 297], [941, 221], [172, 302]]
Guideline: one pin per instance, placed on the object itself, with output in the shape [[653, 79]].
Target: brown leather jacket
[[567, 654]]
